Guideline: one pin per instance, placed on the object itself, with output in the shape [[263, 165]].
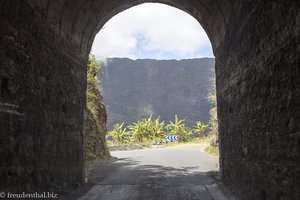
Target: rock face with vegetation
[[134, 89], [95, 115]]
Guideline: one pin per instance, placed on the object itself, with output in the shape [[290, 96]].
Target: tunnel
[[44, 47]]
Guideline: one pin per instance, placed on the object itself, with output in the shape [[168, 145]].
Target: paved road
[[176, 173]]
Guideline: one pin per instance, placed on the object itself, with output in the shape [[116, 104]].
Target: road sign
[[171, 137]]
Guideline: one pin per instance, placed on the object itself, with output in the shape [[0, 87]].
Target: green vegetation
[[212, 150], [200, 128], [92, 92], [213, 147], [147, 131], [119, 134], [95, 117], [178, 128]]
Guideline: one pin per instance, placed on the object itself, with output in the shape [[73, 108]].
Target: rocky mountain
[[138, 88]]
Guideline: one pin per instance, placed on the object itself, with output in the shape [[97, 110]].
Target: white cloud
[[152, 30]]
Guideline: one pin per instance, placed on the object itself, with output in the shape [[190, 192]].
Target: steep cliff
[[137, 88], [95, 114], [95, 131]]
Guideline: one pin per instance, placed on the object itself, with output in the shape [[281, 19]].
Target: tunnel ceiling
[[80, 20]]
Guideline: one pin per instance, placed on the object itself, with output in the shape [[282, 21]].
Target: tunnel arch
[[155, 11], [73, 18], [44, 45], [162, 28]]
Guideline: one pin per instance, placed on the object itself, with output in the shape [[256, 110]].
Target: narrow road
[[176, 173]]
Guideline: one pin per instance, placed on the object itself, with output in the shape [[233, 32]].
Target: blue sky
[[154, 31]]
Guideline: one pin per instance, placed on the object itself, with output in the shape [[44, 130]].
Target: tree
[[146, 129], [138, 131], [199, 128], [158, 128], [118, 134], [178, 128]]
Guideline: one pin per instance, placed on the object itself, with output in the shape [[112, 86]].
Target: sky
[[152, 30]]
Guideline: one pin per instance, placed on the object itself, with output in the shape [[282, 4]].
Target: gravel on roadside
[[125, 147]]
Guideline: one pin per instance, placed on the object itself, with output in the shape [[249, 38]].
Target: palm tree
[[199, 128], [118, 134], [137, 131], [178, 128], [157, 128]]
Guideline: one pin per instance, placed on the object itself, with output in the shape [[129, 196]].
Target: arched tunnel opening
[[127, 85], [132, 53], [45, 44]]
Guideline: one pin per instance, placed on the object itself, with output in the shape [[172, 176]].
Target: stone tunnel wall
[[258, 85], [42, 79], [41, 104]]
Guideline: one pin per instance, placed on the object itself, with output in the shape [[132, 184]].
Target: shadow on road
[[127, 172]]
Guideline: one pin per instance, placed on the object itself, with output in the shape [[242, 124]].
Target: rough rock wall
[[258, 86], [95, 132], [42, 100]]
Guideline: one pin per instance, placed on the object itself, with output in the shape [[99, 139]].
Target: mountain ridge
[[133, 89]]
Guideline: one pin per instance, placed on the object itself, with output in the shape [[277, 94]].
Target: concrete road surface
[[176, 173]]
